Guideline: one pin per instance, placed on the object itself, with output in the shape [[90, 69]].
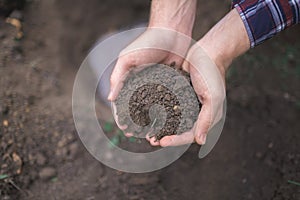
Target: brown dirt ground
[[255, 158]]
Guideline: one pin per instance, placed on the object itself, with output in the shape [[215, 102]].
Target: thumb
[[118, 77], [203, 124], [186, 66]]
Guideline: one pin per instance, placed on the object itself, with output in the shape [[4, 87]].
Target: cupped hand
[[207, 62], [208, 81], [155, 45]]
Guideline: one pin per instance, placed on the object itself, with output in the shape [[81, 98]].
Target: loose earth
[[158, 100]]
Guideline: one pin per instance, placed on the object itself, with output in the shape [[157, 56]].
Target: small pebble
[[258, 154], [6, 197], [160, 88], [5, 123], [47, 173], [168, 97], [270, 145], [144, 94], [40, 159], [175, 107], [73, 149], [286, 96]]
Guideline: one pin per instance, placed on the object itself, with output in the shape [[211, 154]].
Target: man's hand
[[208, 83], [155, 45], [169, 31], [207, 62]]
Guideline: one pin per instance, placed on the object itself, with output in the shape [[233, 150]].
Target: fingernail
[[109, 96], [202, 138], [128, 134]]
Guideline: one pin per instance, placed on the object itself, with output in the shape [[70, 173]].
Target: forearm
[[226, 40], [178, 15]]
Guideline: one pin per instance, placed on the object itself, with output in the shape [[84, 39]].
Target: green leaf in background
[[132, 139], [114, 141], [54, 179], [121, 134], [3, 176], [294, 182], [108, 127], [297, 105]]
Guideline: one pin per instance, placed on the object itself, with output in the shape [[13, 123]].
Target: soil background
[[41, 156]]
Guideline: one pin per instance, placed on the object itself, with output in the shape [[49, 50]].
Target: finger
[[148, 138], [176, 140], [117, 77], [128, 134], [154, 142], [203, 124], [121, 126], [186, 66]]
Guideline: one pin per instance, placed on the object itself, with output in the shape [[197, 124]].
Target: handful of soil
[[158, 100]]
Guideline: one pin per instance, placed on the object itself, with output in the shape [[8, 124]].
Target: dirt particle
[[73, 149], [144, 94], [18, 162], [176, 107], [40, 159], [270, 145], [47, 173], [168, 97], [244, 180], [258, 155], [5, 123], [160, 88]]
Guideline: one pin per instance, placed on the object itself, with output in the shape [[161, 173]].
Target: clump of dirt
[[158, 100]]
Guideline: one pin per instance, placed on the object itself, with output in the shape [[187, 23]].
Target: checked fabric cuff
[[264, 18]]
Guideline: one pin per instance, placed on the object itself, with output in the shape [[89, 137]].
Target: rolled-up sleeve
[[264, 18]]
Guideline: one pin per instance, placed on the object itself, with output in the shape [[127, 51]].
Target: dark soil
[[158, 85], [42, 158], [7, 6]]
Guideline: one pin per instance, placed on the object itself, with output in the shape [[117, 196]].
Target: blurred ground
[[41, 156]]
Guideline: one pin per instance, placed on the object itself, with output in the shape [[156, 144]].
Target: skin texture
[[177, 15], [225, 41]]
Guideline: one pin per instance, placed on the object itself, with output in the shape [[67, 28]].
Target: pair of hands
[[166, 46], [206, 60]]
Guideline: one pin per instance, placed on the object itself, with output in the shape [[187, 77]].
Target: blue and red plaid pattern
[[264, 18]]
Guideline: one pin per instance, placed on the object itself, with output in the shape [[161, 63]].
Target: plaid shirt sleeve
[[264, 18]]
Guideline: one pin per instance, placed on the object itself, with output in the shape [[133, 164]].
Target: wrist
[[178, 15], [221, 61], [226, 40]]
